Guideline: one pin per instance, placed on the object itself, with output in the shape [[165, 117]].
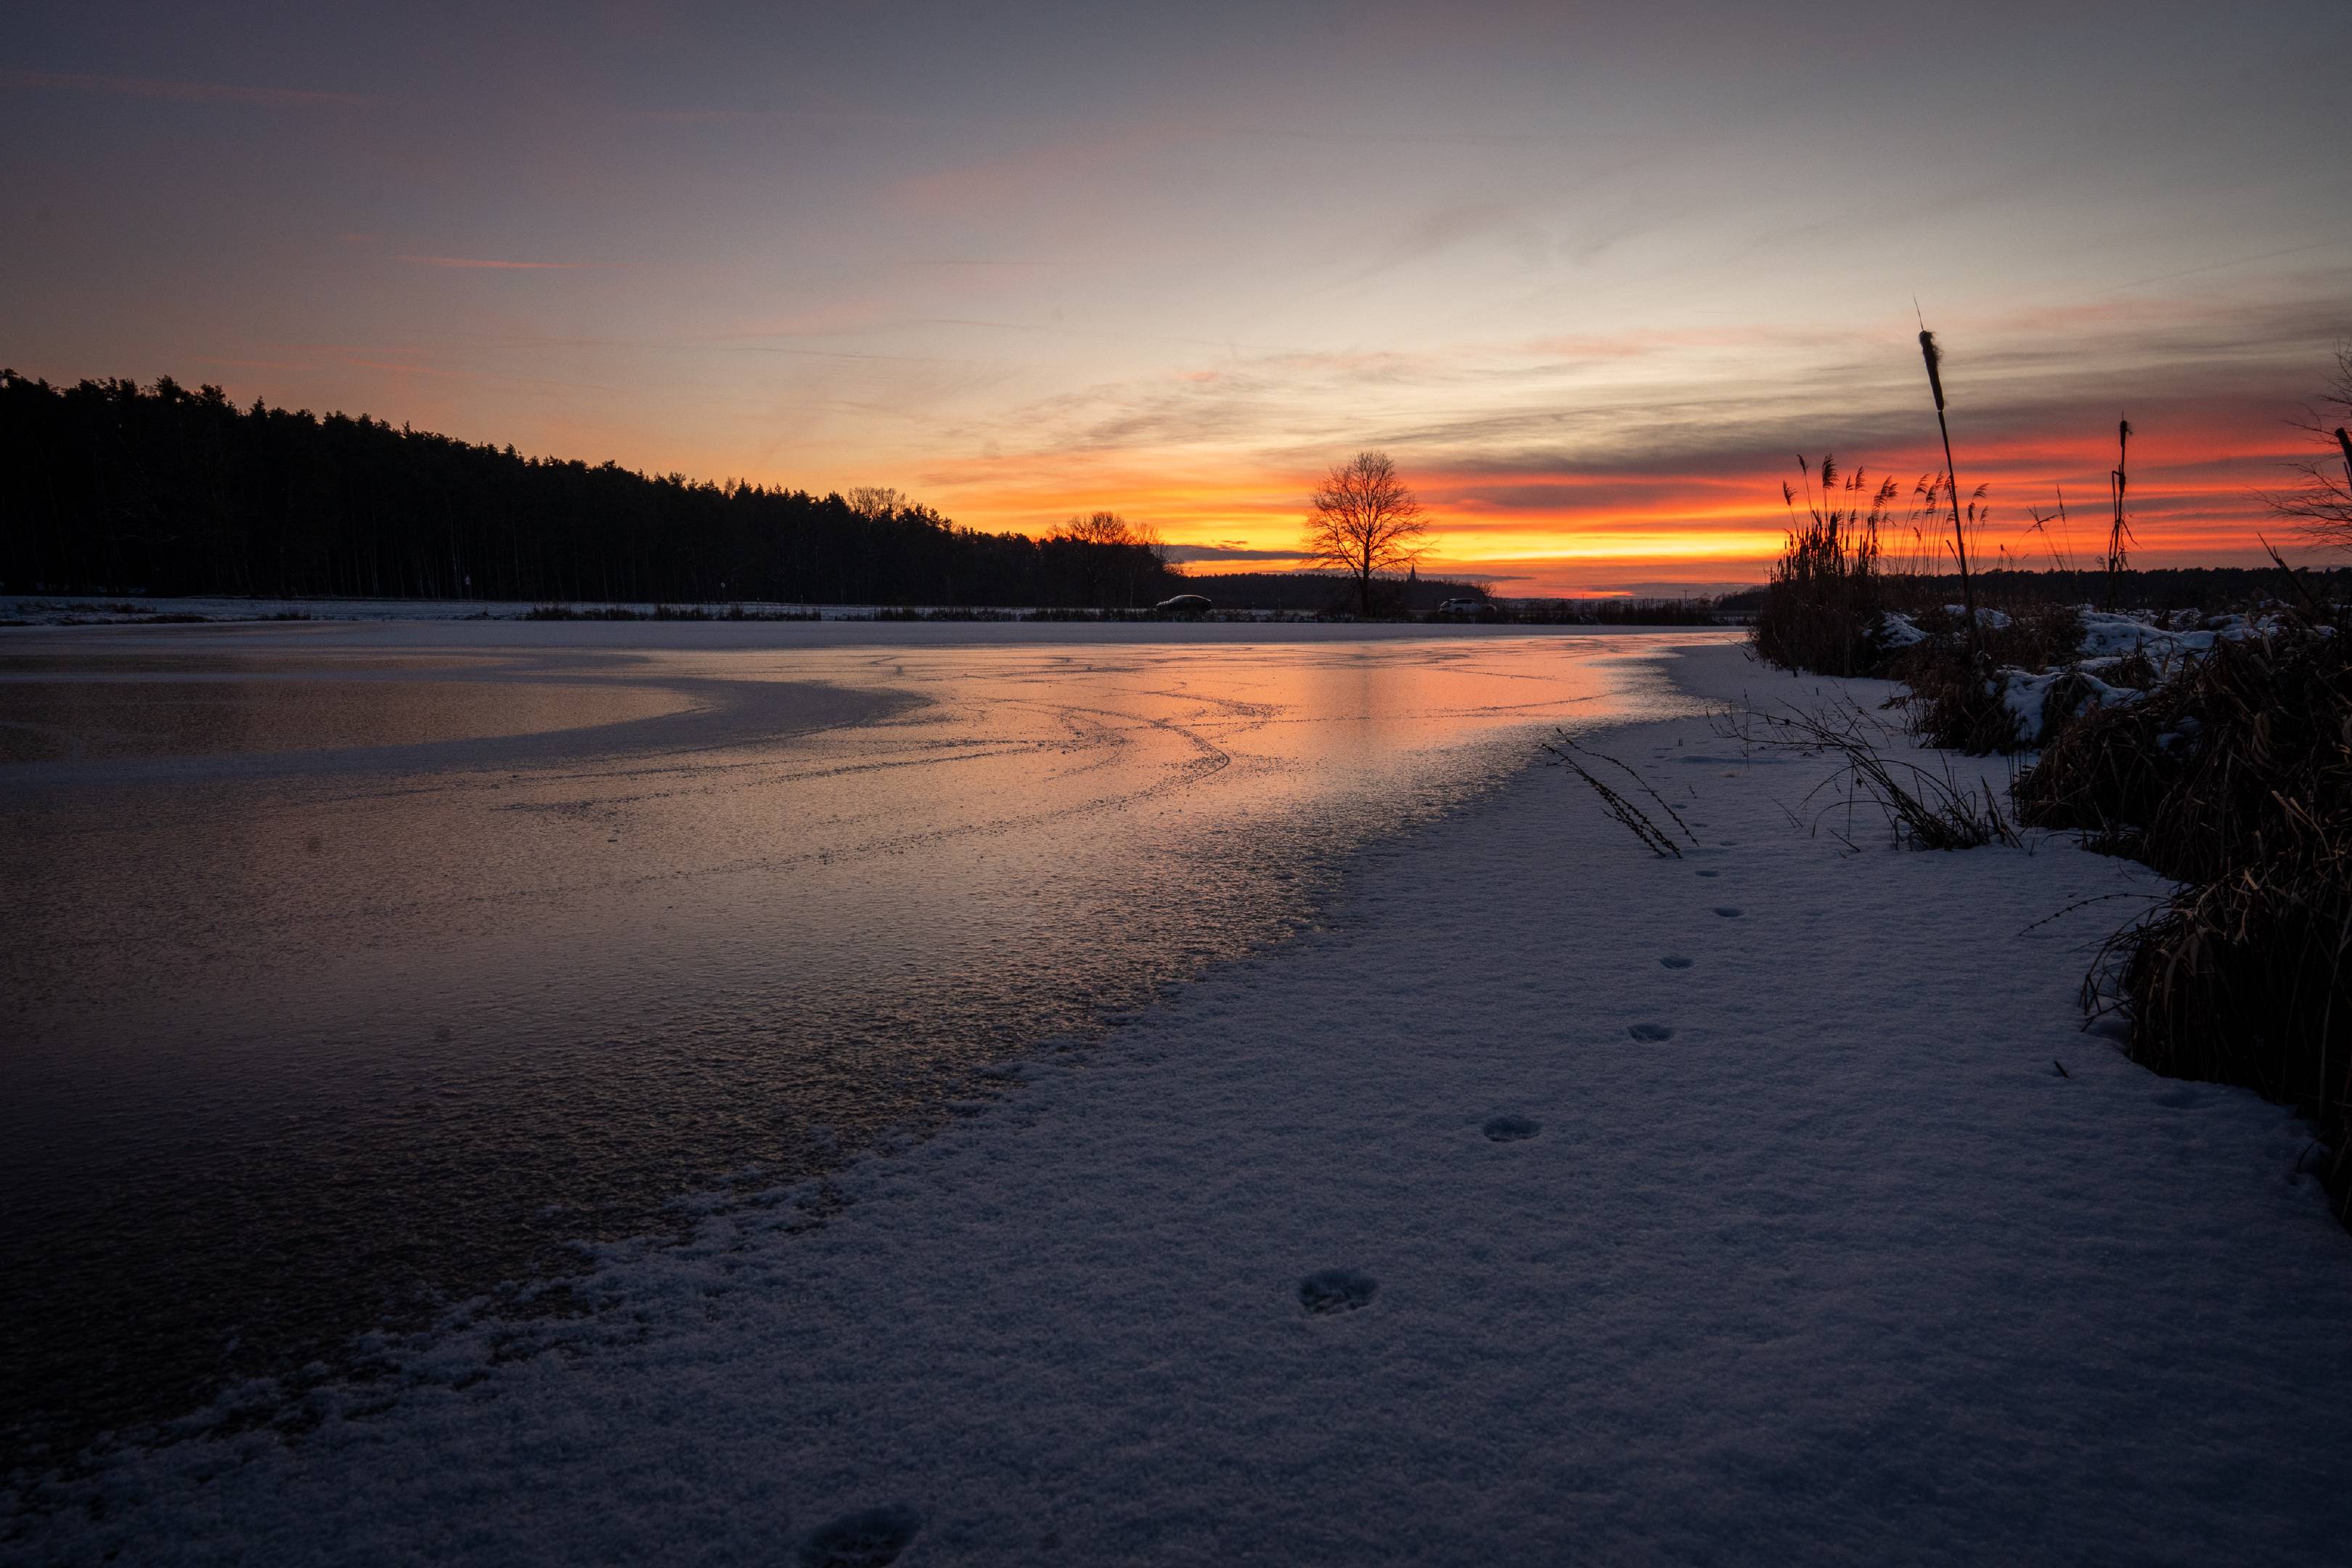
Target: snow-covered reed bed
[[2219, 750], [2235, 777]]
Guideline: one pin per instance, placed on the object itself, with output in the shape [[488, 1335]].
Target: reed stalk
[[2120, 533], [1934, 355]]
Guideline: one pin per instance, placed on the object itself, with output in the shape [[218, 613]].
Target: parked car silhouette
[[1182, 605], [1474, 608]]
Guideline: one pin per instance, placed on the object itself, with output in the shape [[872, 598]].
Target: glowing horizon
[[1592, 280]]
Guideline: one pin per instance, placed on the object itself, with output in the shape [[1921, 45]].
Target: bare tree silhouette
[[2322, 504], [1107, 528], [1363, 519], [1131, 548], [876, 502]]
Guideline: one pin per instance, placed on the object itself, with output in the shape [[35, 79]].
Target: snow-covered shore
[[1811, 1254]]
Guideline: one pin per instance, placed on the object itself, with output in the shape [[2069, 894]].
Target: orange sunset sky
[[1593, 276]]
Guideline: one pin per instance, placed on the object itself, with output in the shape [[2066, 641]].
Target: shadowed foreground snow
[[1555, 1204]]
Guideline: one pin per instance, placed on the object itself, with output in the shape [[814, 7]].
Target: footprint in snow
[[866, 1539], [1710, 873], [1511, 1128], [1651, 1033], [1332, 1290], [1676, 962], [1729, 912]]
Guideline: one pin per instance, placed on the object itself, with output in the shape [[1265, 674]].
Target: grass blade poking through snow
[[1923, 808], [1638, 822]]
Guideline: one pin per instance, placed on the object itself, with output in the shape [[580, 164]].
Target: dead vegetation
[[2234, 778], [1953, 697], [1653, 835], [1921, 807], [2224, 761], [1822, 609]]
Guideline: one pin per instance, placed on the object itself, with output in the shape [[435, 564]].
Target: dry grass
[[2233, 775], [1922, 808], [1954, 698], [1653, 835], [2211, 769], [1821, 609]]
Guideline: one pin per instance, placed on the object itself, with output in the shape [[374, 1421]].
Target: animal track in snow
[[1330, 1290], [1710, 873], [1511, 1128], [1729, 912], [1651, 1033], [870, 1539], [1676, 962]]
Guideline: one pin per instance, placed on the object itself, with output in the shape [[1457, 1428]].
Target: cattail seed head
[[1934, 358]]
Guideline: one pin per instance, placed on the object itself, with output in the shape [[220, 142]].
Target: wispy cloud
[[2234, 261], [841, 115], [1037, 174], [495, 265], [1227, 552], [191, 91], [789, 351], [256, 363]]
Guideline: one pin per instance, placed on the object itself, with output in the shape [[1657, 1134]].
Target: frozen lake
[[351, 969]]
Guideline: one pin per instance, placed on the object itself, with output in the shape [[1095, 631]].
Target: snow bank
[[2105, 634], [1898, 630], [2077, 689], [2182, 632], [2107, 640], [2108, 634], [1554, 1202]]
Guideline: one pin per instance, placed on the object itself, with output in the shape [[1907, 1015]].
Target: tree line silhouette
[[107, 487]]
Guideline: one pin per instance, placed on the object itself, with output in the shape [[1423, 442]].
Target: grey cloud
[[1226, 553]]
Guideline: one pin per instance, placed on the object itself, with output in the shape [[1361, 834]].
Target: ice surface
[[354, 969], [1846, 1272]]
